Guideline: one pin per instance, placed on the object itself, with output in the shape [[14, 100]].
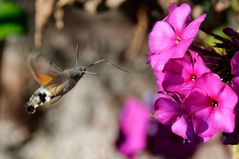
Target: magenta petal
[[191, 30], [224, 120], [182, 47], [205, 83], [199, 66], [235, 64], [203, 124], [158, 61], [192, 103], [172, 7], [135, 134], [133, 111], [179, 16], [167, 110], [161, 37], [175, 77], [183, 128], [227, 98]]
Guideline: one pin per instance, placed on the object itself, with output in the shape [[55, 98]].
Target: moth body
[[75, 73], [54, 81]]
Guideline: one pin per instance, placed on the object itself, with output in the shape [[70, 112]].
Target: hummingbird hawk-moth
[[54, 81]]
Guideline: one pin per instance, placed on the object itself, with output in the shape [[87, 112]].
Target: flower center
[[214, 103], [193, 77], [178, 39]]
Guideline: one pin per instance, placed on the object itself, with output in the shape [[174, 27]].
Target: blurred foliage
[[235, 151], [12, 19], [211, 41]]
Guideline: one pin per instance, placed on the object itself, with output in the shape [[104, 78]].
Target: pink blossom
[[134, 121], [182, 73], [212, 106], [171, 37]]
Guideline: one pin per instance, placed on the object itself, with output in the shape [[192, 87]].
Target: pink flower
[[212, 106], [169, 110], [171, 37], [206, 110], [182, 73], [235, 64], [134, 121]]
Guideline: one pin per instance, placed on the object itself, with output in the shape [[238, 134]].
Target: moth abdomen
[[30, 108], [40, 97]]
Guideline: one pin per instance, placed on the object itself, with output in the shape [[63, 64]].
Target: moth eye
[[30, 109]]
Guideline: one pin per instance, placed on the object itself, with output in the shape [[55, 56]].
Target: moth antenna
[[90, 73], [97, 62], [116, 66], [104, 60], [77, 54]]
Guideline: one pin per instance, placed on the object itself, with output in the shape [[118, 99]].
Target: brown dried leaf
[[91, 5], [139, 36], [112, 4], [59, 12], [221, 5], [44, 9]]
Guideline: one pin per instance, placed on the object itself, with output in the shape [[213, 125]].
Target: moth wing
[[61, 85], [42, 70]]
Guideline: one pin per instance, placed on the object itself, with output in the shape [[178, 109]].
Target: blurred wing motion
[[42, 70]]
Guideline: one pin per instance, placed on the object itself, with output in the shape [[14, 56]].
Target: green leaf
[[8, 9], [10, 30]]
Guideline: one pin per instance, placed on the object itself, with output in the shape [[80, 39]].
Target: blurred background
[[85, 122]]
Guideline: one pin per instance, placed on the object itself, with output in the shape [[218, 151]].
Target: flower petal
[[205, 83], [161, 37], [191, 30], [134, 134], [179, 16], [184, 128], [198, 64], [175, 77], [227, 98], [203, 124], [192, 103], [158, 61], [224, 120], [172, 7], [167, 110]]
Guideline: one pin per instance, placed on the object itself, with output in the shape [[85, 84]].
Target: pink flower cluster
[[193, 99]]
